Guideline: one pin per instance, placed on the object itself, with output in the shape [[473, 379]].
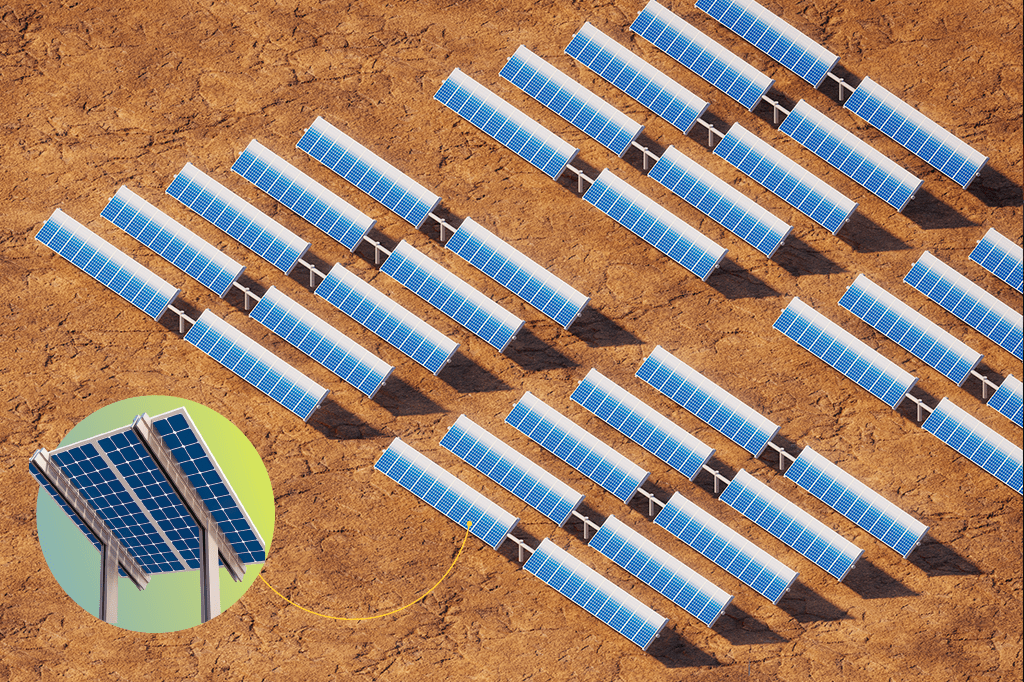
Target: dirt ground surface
[[100, 94]]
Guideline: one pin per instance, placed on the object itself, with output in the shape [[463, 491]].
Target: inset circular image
[[154, 513]]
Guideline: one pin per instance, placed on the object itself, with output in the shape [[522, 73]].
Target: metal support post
[[108, 585], [209, 576]]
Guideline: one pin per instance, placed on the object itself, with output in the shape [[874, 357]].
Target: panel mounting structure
[[1000, 256]]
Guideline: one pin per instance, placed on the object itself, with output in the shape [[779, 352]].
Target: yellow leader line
[[389, 613]]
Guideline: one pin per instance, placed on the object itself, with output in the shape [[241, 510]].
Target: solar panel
[[367, 171], [720, 201], [841, 350], [453, 297], [726, 548], [1007, 400], [321, 341], [699, 597], [570, 100], [856, 501], [772, 35], [636, 420], [506, 124], [337, 218], [587, 588], [576, 447], [225, 209], [976, 442], [268, 373], [708, 401], [910, 329], [106, 264], [387, 319], [655, 225], [437, 487], [916, 132], [702, 55], [516, 272], [1001, 257], [791, 524], [172, 240], [511, 470], [968, 302], [636, 78], [857, 159], [786, 179], [75, 518]]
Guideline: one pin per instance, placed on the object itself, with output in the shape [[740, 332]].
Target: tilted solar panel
[[367, 171], [841, 350], [968, 302], [337, 218], [387, 319], [916, 132], [857, 502], [587, 588], [636, 420], [511, 470], [225, 209], [321, 341], [910, 329], [570, 100], [636, 78], [772, 35], [977, 442], [785, 178], [268, 373], [708, 401], [871, 169], [1001, 257], [106, 264], [1007, 400], [75, 518], [428, 481], [657, 226]]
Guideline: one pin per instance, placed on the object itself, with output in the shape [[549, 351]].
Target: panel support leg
[[108, 585], [209, 577]]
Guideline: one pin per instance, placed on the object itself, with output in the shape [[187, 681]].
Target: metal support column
[[108, 585], [209, 577]]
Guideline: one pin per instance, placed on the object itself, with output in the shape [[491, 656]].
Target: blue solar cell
[[1007, 400], [977, 442], [1001, 257]]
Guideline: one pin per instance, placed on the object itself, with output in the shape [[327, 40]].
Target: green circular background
[[171, 601]]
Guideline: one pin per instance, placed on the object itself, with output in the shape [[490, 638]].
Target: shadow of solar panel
[[271, 375], [106, 264], [655, 225], [775, 37], [911, 330], [844, 352], [441, 490], [857, 159], [587, 588], [75, 518], [636, 78], [1001, 257], [977, 442], [1007, 400]]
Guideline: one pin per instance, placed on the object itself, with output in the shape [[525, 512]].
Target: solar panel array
[[106, 264], [916, 132], [844, 352], [225, 209], [428, 481], [268, 373], [75, 518], [655, 225], [367, 171], [786, 179], [321, 341], [636, 78], [587, 588], [856, 501], [516, 272], [702, 55], [636, 420], [699, 597], [506, 124], [791, 524], [968, 302], [335, 217], [1007, 400], [843, 150], [910, 329], [977, 442], [180, 246], [570, 100], [1001, 257], [576, 447]]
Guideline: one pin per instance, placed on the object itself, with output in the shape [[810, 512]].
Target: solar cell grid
[[1007, 400], [977, 442], [1001, 257]]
